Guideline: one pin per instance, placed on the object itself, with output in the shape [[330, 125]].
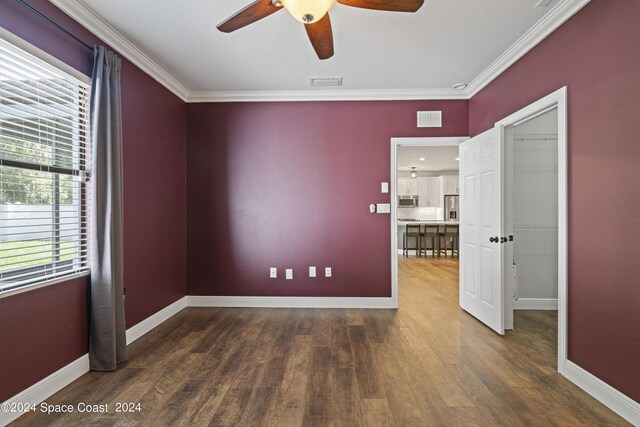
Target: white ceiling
[[436, 159], [445, 42]]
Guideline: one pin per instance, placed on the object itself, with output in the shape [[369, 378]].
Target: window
[[44, 158]]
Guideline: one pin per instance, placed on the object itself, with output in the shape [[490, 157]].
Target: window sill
[[43, 284]]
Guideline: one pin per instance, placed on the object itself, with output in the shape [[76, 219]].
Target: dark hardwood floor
[[428, 363]]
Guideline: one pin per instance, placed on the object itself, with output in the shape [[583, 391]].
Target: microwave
[[407, 201]]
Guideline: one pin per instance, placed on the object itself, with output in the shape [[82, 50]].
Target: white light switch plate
[[273, 273], [383, 208], [289, 273], [312, 272], [384, 187], [327, 272]]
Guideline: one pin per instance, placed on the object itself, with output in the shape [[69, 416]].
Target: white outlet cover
[[289, 273], [312, 271], [327, 272], [273, 273]]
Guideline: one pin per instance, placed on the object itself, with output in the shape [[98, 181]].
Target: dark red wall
[[288, 185], [45, 329], [596, 55]]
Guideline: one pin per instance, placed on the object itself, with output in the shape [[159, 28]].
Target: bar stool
[[448, 239], [413, 231], [429, 234]]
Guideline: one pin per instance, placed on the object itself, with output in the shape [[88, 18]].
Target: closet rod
[[55, 24]]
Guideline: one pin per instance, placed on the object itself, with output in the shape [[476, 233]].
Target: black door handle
[[494, 239]]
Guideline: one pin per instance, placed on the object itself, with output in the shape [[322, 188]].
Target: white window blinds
[[44, 156]]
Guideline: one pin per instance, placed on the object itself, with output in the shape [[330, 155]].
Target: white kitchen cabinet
[[407, 187], [429, 192], [449, 185]]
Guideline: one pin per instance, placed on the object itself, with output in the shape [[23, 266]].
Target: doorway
[[396, 145], [495, 278]]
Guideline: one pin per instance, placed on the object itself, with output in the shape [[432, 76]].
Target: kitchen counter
[[425, 221], [402, 226]]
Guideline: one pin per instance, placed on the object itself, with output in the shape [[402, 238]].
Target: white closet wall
[[535, 214]]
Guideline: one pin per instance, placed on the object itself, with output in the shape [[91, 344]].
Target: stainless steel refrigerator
[[451, 207]]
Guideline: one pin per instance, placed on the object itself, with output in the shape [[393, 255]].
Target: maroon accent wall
[[288, 185], [45, 329], [41, 331], [595, 54]]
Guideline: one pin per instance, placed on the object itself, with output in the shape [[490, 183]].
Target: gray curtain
[[107, 339]]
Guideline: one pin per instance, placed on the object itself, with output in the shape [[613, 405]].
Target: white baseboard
[[55, 382], [40, 391], [289, 302], [135, 332], [535, 304], [621, 404]]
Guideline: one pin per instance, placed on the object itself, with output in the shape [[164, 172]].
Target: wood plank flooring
[[428, 363]]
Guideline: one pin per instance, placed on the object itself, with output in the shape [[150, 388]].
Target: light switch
[[273, 273], [327, 272], [312, 272], [384, 187], [289, 273], [383, 208]]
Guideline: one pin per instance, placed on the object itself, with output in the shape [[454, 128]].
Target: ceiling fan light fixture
[[307, 11], [414, 173]]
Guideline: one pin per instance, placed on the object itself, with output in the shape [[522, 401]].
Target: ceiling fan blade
[[321, 37], [389, 5], [250, 14]]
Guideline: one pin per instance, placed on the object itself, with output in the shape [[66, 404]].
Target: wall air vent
[[429, 119], [327, 81]]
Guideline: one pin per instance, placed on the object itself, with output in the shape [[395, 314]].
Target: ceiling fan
[[314, 15]]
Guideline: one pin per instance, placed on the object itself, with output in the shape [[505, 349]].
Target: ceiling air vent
[[543, 3], [327, 81], [429, 119]]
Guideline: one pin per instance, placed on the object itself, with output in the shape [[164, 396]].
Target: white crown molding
[[549, 23], [618, 402], [92, 22], [557, 16], [326, 95], [289, 302]]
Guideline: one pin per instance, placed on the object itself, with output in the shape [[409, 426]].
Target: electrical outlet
[[289, 273], [327, 272], [312, 272], [273, 273]]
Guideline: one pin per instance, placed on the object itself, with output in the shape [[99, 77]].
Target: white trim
[[135, 332], [104, 31], [289, 302], [557, 16], [47, 387], [44, 284], [535, 304], [327, 95], [559, 99], [407, 142], [83, 14], [64, 376], [618, 402]]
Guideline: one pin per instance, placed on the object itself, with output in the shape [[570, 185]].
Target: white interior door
[[481, 238]]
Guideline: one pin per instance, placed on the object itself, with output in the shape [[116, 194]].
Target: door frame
[[407, 142], [557, 99]]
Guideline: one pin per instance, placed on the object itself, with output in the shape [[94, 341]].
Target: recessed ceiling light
[[422, 159], [458, 158], [459, 86]]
